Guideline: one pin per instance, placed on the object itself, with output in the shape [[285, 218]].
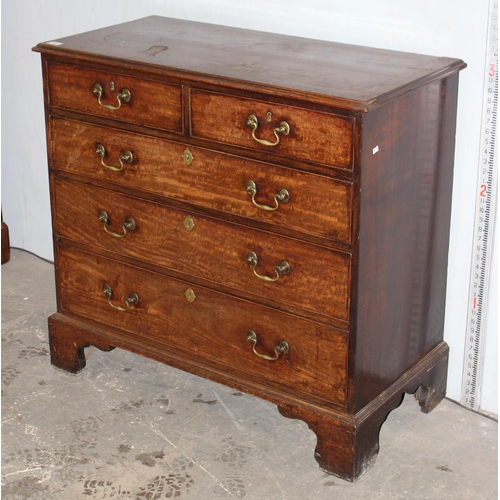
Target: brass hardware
[[190, 296], [112, 86], [123, 96], [126, 157], [188, 223], [132, 299], [253, 123], [128, 225], [283, 267], [187, 157], [269, 116], [282, 195], [281, 348]]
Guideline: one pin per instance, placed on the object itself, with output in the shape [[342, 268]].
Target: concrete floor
[[131, 428]]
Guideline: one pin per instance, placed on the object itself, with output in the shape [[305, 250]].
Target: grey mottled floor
[[132, 428]]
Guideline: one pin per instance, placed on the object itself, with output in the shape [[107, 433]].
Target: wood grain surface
[[317, 137], [318, 205], [217, 324], [350, 76], [152, 103], [214, 250]]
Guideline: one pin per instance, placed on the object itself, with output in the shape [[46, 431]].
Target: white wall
[[455, 28]]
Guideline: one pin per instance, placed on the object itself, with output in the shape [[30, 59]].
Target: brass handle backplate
[[282, 195], [132, 299], [283, 267], [128, 225], [253, 123], [123, 96], [281, 348], [126, 157]]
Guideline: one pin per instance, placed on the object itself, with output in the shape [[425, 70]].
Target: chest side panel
[[406, 181]]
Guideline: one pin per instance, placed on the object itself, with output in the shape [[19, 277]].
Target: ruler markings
[[485, 203]]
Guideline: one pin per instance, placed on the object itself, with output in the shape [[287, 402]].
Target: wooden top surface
[[339, 71]]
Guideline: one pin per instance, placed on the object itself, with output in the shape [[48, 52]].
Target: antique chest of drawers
[[265, 211]]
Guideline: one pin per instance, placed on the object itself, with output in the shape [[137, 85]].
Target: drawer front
[[313, 136], [152, 103], [201, 246], [210, 327], [317, 205]]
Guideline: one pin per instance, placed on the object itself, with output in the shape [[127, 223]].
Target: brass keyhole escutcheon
[[188, 223], [187, 157], [190, 296]]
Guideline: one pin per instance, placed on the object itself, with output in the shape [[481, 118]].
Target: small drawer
[[143, 102], [317, 205], [205, 325], [274, 128], [314, 278]]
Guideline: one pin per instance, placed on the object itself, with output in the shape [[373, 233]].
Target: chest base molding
[[347, 445]]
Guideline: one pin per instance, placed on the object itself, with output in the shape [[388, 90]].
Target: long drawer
[[280, 130], [206, 247], [149, 102], [317, 205], [206, 325]]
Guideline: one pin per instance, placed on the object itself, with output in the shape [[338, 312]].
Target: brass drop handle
[[128, 225], [132, 299], [126, 157], [281, 348], [283, 267], [253, 123], [123, 96], [282, 195]]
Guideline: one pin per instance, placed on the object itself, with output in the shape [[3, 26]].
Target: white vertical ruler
[[483, 223]]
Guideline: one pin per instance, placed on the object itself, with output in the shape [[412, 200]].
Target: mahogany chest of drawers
[[265, 211]]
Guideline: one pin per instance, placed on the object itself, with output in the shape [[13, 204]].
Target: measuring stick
[[483, 224]]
